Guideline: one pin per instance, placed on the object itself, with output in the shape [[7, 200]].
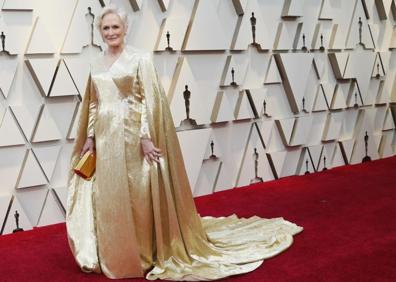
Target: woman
[[136, 217]]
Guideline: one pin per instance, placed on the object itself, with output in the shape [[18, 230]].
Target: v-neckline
[[109, 67]]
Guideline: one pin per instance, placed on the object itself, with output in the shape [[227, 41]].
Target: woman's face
[[113, 30]]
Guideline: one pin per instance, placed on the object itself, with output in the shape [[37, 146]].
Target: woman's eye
[[116, 26], [105, 28]]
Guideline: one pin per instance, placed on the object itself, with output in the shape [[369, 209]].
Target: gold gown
[[133, 219]]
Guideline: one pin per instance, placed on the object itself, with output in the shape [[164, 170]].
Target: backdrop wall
[[317, 90]]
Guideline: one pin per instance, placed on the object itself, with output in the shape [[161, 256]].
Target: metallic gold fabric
[[93, 103], [134, 219]]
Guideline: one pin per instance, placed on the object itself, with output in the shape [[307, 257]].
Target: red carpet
[[348, 215]]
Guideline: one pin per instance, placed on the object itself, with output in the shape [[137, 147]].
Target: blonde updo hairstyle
[[111, 9]]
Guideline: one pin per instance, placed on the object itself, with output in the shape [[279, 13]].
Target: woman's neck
[[115, 50]]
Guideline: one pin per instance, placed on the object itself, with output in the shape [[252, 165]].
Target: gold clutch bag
[[86, 165]]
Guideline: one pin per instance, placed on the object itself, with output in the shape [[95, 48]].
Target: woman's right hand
[[88, 146]]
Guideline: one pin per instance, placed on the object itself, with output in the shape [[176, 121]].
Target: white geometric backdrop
[[301, 110]]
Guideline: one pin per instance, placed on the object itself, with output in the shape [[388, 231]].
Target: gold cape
[[133, 219]]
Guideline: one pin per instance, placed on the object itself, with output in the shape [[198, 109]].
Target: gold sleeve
[[93, 105], [144, 126]]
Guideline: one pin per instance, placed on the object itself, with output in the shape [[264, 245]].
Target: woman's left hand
[[151, 153]]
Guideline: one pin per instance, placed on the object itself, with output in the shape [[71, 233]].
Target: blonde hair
[[111, 9]]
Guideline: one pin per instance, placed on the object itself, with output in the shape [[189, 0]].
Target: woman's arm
[[93, 104], [151, 153]]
